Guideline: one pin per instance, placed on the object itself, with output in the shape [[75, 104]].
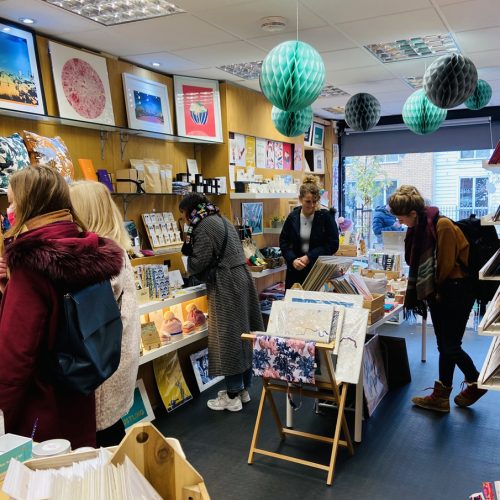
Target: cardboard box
[[13, 446], [347, 251], [127, 173]]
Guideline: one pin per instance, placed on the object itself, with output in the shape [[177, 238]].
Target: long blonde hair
[[38, 191], [94, 205]]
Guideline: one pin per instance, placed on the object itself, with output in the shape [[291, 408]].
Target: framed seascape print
[[318, 136], [199, 361], [147, 104], [82, 85], [197, 105], [20, 83], [252, 215]]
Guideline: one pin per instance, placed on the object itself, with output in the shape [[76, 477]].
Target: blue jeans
[[238, 382]]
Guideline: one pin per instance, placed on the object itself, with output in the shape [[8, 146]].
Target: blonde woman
[[94, 206], [307, 233]]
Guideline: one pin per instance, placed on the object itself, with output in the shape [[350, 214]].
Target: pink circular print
[[83, 88]]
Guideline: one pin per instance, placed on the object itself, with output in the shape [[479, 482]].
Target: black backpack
[[483, 243], [88, 343]]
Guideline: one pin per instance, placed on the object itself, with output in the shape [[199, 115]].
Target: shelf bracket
[[104, 134], [123, 143]]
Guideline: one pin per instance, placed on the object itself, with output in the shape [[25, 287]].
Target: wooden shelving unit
[[273, 230], [268, 272], [481, 271], [263, 196], [487, 220], [182, 295]]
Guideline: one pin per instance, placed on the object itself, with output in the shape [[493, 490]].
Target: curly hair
[[405, 199], [310, 184]]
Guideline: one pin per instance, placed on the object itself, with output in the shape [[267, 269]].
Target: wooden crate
[[377, 302], [390, 275], [347, 251], [374, 316]]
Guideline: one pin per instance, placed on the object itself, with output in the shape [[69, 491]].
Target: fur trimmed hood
[[65, 255]]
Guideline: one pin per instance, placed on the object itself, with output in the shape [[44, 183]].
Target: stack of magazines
[[325, 269], [351, 284]]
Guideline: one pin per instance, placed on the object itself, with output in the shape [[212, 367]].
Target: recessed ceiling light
[[112, 12], [415, 82], [247, 71], [331, 91], [273, 24], [414, 48], [336, 110], [156, 64], [27, 20]]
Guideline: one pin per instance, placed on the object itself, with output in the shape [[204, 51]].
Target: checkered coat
[[233, 305]]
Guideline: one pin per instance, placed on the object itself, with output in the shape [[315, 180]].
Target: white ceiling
[[218, 32]]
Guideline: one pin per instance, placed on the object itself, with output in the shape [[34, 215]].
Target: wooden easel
[[330, 391]]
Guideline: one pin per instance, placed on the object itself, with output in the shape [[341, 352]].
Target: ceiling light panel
[[247, 71], [336, 110], [414, 48], [415, 82], [331, 91], [112, 12]]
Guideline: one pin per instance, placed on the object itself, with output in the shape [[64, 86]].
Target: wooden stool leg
[[256, 429], [274, 409]]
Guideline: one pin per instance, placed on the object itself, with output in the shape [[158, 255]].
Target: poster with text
[[250, 151], [260, 153], [278, 155], [298, 153], [239, 145], [270, 154], [287, 156]]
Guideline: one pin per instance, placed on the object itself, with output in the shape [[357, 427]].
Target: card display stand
[[162, 231], [329, 391]]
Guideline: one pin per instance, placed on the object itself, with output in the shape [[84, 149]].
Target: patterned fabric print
[[286, 359], [49, 151], [13, 157]]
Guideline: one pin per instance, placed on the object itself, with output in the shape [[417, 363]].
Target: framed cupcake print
[[197, 106], [147, 104], [82, 85], [20, 83]]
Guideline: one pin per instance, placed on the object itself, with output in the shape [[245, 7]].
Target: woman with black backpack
[[437, 252]]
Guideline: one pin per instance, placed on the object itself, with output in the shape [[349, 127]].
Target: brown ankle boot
[[439, 400], [469, 395]]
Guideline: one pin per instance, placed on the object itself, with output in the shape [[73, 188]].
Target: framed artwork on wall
[[319, 162], [82, 85], [308, 135], [20, 82], [252, 215], [141, 410], [199, 361], [318, 136], [147, 104], [197, 105]]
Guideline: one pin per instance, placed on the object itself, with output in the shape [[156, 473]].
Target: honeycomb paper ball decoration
[[362, 111], [292, 75], [292, 123], [420, 115], [450, 80], [480, 97]]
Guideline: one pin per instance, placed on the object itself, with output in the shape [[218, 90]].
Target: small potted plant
[[277, 221]]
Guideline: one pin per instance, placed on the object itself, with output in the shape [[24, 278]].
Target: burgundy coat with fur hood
[[44, 263]]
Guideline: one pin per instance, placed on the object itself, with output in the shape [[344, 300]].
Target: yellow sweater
[[452, 249]]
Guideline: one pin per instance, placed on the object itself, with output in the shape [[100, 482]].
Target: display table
[[329, 391]]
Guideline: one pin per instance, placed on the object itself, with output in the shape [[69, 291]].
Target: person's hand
[[304, 259], [397, 224], [298, 264]]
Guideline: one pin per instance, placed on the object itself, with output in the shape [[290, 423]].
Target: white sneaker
[[224, 402], [245, 396]]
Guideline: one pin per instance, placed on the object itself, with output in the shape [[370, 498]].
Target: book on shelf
[[492, 314], [324, 269], [492, 371], [495, 157], [496, 215], [492, 267]]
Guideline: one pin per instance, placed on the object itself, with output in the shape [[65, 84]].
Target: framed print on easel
[[252, 215], [82, 85], [147, 104], [197, 105], [20, 82]]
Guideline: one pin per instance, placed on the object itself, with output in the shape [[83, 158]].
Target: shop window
[[389, 158], [473, 196], [475, 154]]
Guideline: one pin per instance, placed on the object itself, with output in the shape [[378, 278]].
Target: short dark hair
[[191, 201]]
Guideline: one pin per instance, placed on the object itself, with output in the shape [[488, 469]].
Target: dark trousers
[[111, 436], [449, 317]]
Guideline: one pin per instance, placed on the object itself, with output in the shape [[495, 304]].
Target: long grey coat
[[233, 305]]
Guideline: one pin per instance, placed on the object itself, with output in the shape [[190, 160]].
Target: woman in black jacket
[[307, 233]]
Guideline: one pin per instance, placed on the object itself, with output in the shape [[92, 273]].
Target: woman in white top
[[93, 204], [308, 232]]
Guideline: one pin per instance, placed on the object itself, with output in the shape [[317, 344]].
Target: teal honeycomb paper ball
[[480, 97], [292, 75], [450, 80], [292, 123], [362, 111], [420, 115]]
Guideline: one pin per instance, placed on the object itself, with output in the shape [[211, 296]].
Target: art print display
[[308, 136], [250, 151], [298, 155], [278, 155], [82, 85], [287, 156], [238, 145], [199, 361], [374, 378], [319, 161], [20, 83], [141, 410], [252, 215], [269, 154], [197, 104], [318, 138], [260, 153], [147, 104]]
